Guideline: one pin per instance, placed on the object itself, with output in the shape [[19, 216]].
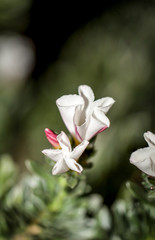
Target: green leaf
[[72, 181], [136, 191], [8, 174]]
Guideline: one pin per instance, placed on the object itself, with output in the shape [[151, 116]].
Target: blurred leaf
[[72, 181], [105, 219], [8, 174], [136, 191]]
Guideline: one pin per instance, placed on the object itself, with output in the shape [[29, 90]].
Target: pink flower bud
[[52, 138]]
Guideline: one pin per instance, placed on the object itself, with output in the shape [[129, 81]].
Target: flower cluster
[[84, 118]]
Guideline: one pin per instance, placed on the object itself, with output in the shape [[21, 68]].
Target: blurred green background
[[47, 51]]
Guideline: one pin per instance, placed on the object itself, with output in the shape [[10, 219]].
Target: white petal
[[93, 125], [54, 154], [79, 149], [73, 165], [79, 116], [60, 167], [81, 131], [104, 104], [86, 92], [66, 105], [100, 116], [150, 138], [144, 159], [64, 141], [82, 112], [78, 137]]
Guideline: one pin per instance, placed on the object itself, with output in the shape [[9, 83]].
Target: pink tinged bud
[[52, 138]]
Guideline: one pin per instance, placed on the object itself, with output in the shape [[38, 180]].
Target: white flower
[[144, 158], [65, 158], [83, 116]]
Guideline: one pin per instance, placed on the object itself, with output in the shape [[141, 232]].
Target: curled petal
[[79, 149], [144, 159], [86, 92], [104, 104], [78, 138], [94, 124], [52, 137], [88, 97], [64, 141], [150, 138], [79, 116], [73, 165], [54, 154], [60, 167], [81, 131], [100, 116], [66, 105]]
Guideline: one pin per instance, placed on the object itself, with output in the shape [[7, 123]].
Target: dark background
[[51, 24]]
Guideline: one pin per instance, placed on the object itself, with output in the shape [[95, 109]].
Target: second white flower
[[65, 158]]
